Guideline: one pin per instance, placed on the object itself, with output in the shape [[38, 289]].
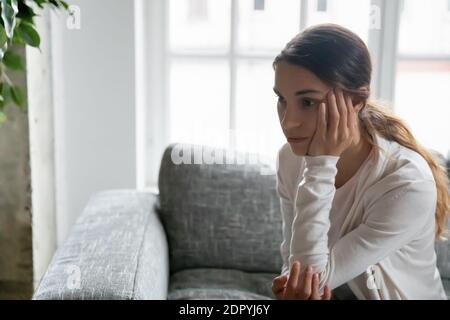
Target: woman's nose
[[291, 118]]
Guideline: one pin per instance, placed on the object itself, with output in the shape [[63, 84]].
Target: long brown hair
[[340, 58]]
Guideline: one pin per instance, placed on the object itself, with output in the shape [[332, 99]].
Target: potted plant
[[17, 28]]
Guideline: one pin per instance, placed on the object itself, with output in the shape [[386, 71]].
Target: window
[[198, 10], [217, 74], [199, 26], [259, 5], [333, 11], [322, 5], [423, 72], [220, 74]]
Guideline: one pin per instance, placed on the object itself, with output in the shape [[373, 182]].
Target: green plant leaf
[[3, 50], [25, 12], [40, 3], [17, 38], [64, 4], [29, 34], [2, 117], [17, 27], [6, 94], [3, 36], [18, 96], [13, 61], [9, 12]]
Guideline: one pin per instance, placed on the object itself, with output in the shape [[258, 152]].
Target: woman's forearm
[[311, 223]]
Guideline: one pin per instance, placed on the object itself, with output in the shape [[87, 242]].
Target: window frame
[[152, 65]]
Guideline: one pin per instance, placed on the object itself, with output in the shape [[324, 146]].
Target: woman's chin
[[298, 150]]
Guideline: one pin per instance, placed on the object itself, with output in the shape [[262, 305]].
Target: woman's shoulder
[[404, 170], [408, 164]]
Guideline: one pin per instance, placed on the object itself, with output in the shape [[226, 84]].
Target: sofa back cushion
[[219, 215], [442, 247]]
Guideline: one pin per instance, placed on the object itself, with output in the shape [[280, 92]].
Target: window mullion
[[233, 73], [303, 14], [152, 116], [383, 46]]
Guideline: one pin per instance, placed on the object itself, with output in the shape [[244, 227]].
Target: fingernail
[[309, 269]]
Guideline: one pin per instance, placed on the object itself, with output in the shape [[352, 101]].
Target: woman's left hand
[[336, 125], [304, 286]]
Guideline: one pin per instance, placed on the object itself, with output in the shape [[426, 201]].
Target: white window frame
[[152, 61], [383, 44]]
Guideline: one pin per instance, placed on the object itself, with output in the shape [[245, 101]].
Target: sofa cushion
[[113, 250], [220, 215], [446, 283], [443, 257], [211, 283]]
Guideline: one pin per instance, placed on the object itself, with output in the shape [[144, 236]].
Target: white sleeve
[[287, 214], [393, 219]]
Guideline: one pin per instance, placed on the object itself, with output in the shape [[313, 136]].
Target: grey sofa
[[212, 232]]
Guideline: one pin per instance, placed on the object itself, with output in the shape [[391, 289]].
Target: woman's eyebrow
[[301, 92]]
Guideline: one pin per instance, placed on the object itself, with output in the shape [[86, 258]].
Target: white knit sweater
[[386, 244]]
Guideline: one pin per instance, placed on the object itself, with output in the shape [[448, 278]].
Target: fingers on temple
[[342, 108], [322, 119], [333, 117], [351, 120]]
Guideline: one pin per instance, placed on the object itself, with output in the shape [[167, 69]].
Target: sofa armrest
[[117, 249]]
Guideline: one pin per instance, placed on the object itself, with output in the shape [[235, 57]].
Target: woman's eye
[[280, 99], [308, 103]]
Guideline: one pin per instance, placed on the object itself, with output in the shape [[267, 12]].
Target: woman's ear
[[358, 102], [358, 107]]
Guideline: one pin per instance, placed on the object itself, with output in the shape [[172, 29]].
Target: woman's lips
[[297, 140]]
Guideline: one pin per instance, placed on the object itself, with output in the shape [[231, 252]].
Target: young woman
[[362, 202]]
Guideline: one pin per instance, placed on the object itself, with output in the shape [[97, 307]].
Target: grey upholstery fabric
[[211, 283], [443, 257], [220, 216], [218, 225], [446, 283], [443, 246], [117, 247]]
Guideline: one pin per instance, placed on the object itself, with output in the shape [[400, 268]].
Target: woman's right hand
[[279, 286], [299, 286]]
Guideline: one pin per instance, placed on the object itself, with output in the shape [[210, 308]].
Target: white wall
[[41, 131], [94, 105]]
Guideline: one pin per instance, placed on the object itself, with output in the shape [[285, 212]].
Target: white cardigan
[[386, 244]]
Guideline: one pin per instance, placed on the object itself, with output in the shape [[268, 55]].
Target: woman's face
[[300, 93]]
